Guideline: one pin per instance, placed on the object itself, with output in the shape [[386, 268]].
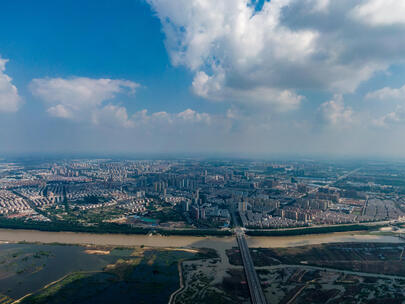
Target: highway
[[255, 289]]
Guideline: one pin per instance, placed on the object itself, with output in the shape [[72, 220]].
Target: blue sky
[[96, 39], [266, 77]]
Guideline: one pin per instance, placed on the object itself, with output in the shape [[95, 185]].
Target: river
[[33, 236]]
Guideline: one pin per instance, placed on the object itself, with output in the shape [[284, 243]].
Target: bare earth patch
[[100, 252]]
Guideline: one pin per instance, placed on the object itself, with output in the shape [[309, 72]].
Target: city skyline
[[240, 77]]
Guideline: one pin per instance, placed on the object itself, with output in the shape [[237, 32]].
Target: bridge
[[255, 289]]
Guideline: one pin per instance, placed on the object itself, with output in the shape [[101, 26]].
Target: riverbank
[[103, 227], [315, 230], [168, 243]]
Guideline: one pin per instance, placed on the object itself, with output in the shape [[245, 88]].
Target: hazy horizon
[[238, 77]]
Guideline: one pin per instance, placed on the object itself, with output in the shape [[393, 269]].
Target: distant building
[[242, 206], [202, 214], [302, 188], [195, 212], [186, 206], [140, 194]]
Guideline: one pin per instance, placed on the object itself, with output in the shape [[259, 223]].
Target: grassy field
[[330, 273], [381, 258], [295, 284]]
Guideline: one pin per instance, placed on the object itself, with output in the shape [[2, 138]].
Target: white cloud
[[282, 100], [386, 120], [112, 116], [83, 99], [78, 97], [214, 88], [227, 41], [395, 117], [117, 116], [193, 116], [388, 94], [10, 101], [336, 113], [60, 111], [381, 12], [265, 57], [320, 5], [143, 118], [162, 118]]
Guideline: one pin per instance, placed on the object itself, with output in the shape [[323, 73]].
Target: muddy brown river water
[[9, 235]]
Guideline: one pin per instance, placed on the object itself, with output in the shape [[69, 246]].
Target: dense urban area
[[192, 195], [201, 231]]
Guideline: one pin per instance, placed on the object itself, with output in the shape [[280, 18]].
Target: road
[[328, 184], [320, 268], [346, 175], [255, 288]]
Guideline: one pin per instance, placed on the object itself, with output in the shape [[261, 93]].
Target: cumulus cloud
[[78, 97], [267, 56], [380, 12], [112, 116], [388, 94], [193, 116], [387, 119], [163, 118], [395, 117], [335, 112], [82, 98], [320, 5], [232, 49], [10, 101], [144, 118], [60, 111], [214, 88]]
